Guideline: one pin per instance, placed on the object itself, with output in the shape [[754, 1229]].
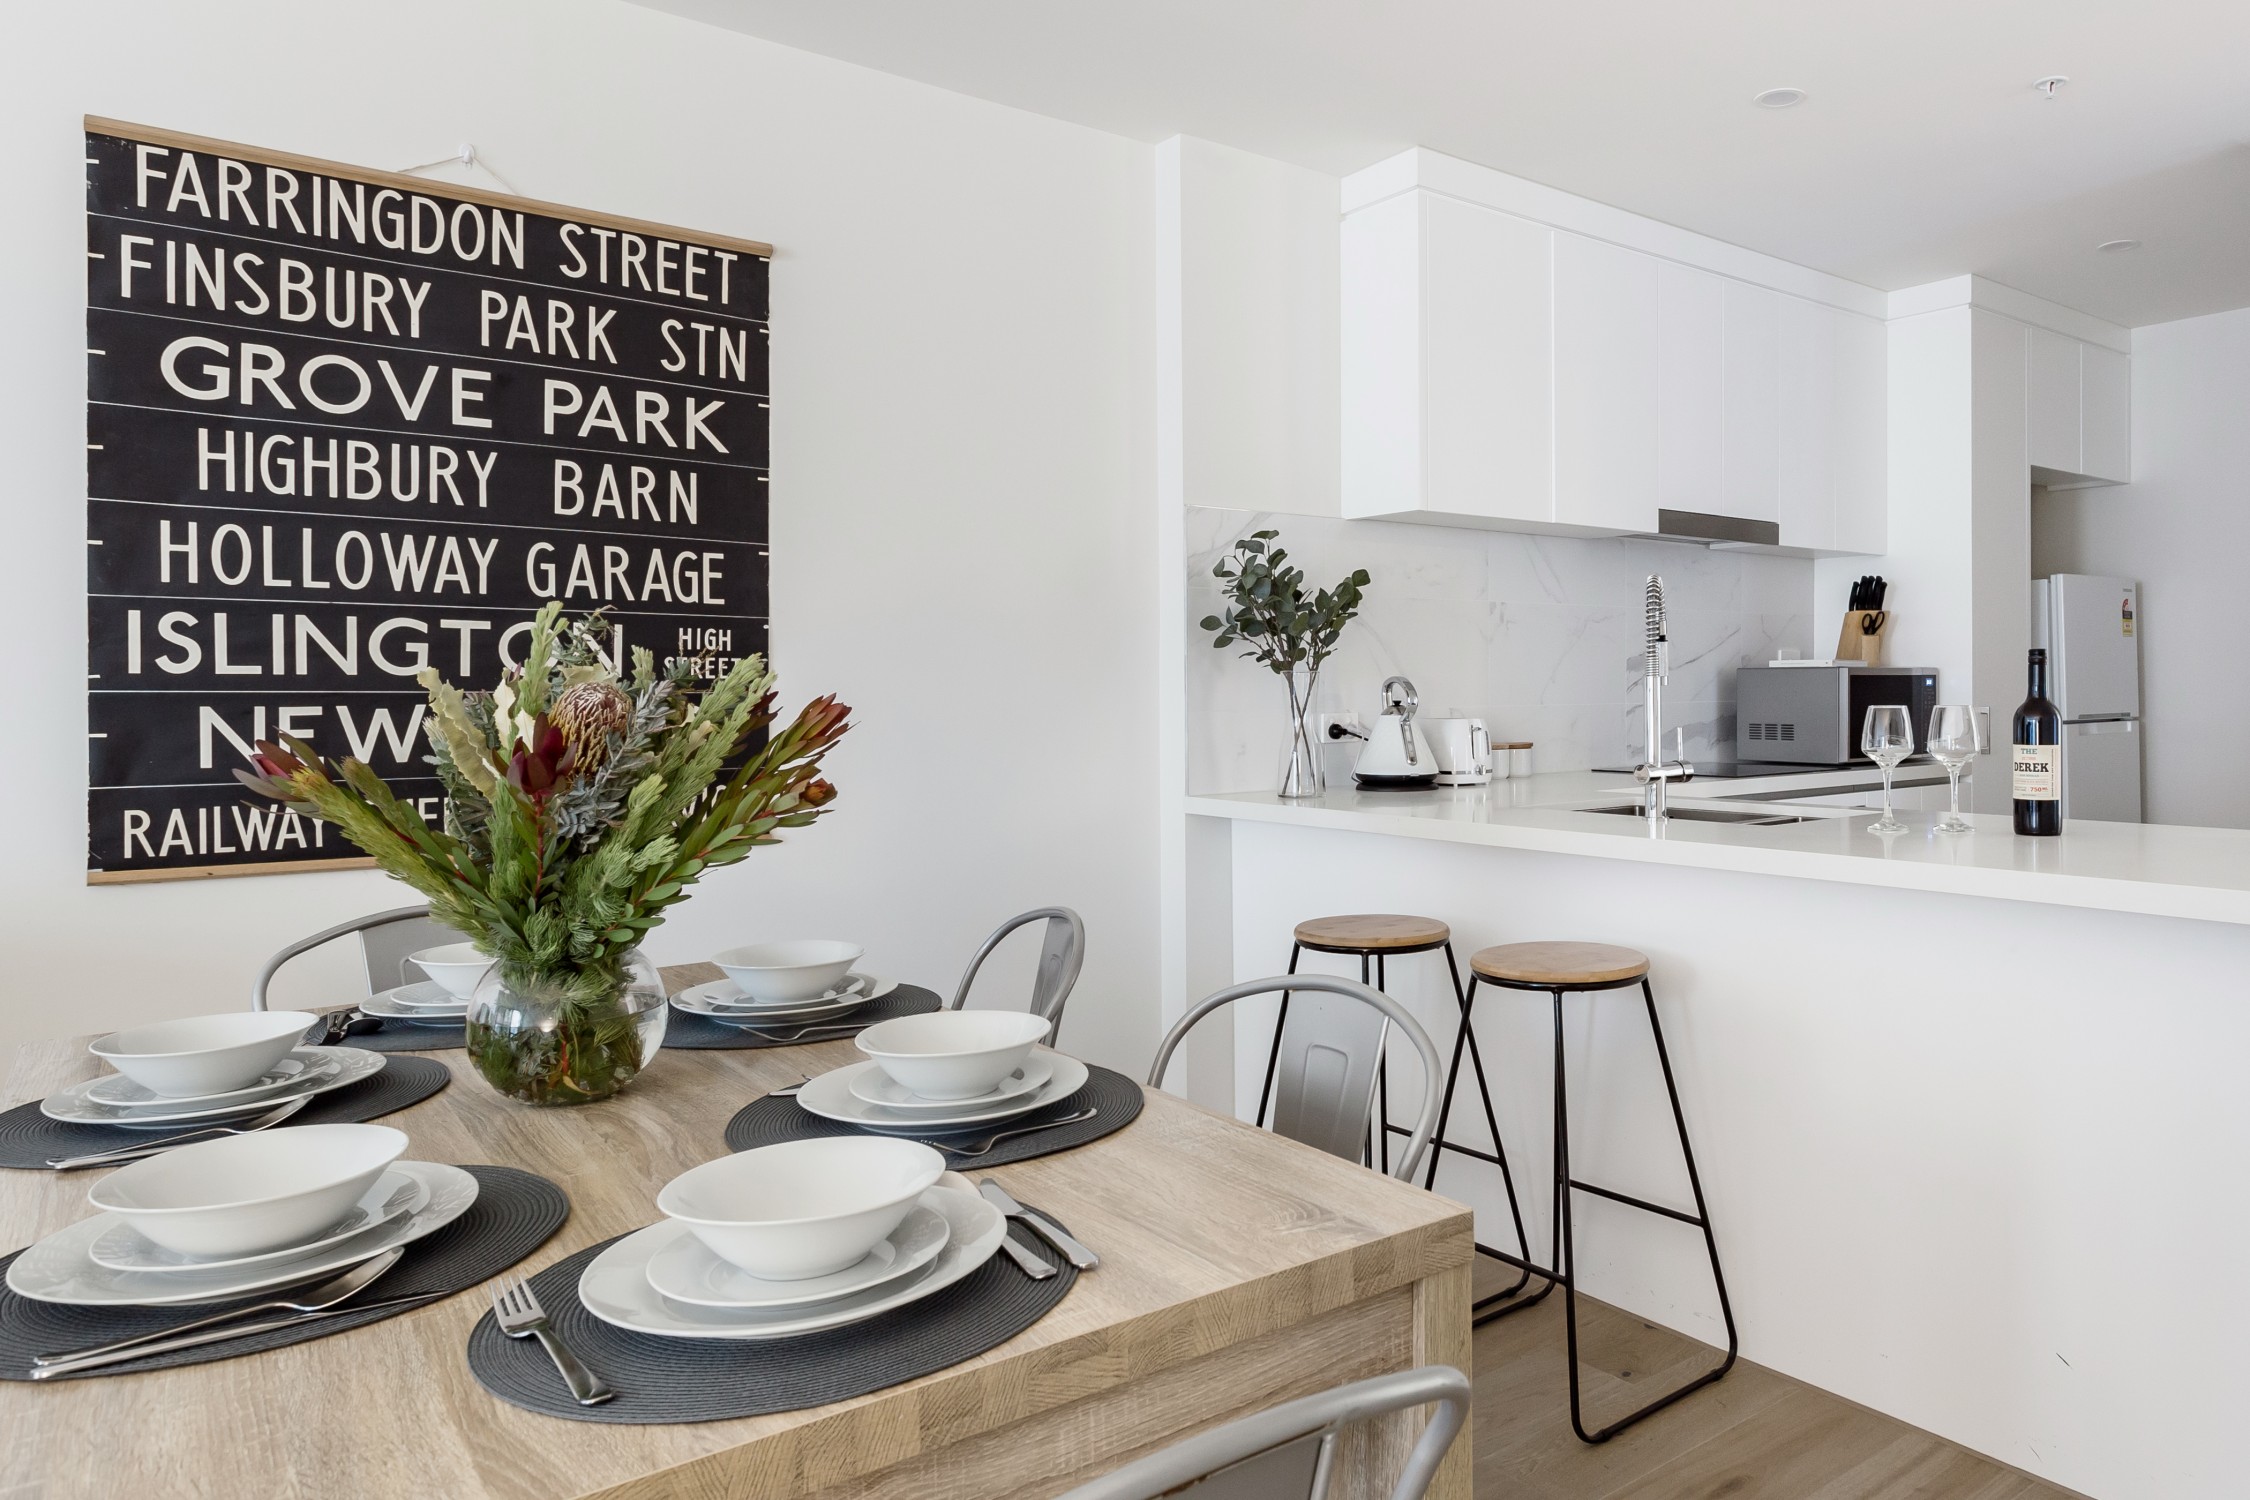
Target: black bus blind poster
[[342, 424]]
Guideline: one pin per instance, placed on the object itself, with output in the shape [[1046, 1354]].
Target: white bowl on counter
[[775, 973], [802, 1208], [199, 1055], [247, 1194], [456, 967], [953, 1054]]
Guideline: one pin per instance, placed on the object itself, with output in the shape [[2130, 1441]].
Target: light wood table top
[[1238, 1269]]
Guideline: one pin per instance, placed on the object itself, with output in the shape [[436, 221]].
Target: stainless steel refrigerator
[[2090, 628]]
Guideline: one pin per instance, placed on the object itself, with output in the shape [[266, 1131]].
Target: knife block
[[1857, 642]]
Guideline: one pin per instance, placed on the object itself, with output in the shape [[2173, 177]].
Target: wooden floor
[[1756, 1435]]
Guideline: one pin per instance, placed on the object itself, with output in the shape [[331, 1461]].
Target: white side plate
[[614, 1287], [881, 1089], [687, 1270], [57, 1269], [395, 1194], [120, 1092], [830, 1096], [352, 1064]]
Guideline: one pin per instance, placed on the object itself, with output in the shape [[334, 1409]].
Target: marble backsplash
[[1539, 636]]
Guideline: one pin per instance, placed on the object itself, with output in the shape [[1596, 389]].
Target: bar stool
[[1582, 968], [1374, 939]]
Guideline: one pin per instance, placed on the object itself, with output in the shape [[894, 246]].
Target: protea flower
[[588, 713], [538, 767]]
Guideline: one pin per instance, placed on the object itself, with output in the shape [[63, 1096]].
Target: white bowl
[[771, 973], [456, 967], [204, 1054], [247, 1194], [802, 1208], [953, 1054]]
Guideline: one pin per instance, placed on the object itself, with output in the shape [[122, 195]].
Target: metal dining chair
[[1059, 960], [385, 939], [1288, 1452], [1327, 1058]]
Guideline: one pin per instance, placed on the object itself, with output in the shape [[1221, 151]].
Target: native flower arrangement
[[579, 805], [1288, 631]]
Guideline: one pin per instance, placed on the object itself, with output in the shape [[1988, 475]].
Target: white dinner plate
[[58, 1269], [425, 994], [444, 1010], [830, 1096], [120, 1092], [394, 1194], [614, 1287], [721, 1001], [352, 1064], [687, 1270], [880, 1088]]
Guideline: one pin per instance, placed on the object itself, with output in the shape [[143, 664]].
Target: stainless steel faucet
[[1656, 773]]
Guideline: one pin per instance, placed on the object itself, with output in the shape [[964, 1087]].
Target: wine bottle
[[2038, 759]]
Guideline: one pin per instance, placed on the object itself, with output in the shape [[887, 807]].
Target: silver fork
[[139, 1149], [519, 1315], [991, 1141]]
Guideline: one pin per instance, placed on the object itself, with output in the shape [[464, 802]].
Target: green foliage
[[563, 878], [1270, 611]]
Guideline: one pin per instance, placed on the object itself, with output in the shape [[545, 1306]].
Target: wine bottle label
[[2038, 773]]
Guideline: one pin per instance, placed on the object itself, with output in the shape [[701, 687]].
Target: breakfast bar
[[1951, 1095], [1239, 1269]]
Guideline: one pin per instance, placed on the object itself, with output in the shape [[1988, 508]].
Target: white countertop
[[2157, 869]]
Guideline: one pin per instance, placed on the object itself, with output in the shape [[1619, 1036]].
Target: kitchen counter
[[2154, 869], [1948, 1091]]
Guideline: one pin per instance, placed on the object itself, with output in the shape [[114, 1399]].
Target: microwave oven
[[1812, 715]]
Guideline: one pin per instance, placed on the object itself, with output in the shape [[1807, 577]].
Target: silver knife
[[221, 1335], [1028, 1260], [1053, 1233]]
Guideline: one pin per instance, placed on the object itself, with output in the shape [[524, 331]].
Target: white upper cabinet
[[2105, 400], [1517, 359], [2050, 389], [1605, 377], [2078, 409], [1833, 454]]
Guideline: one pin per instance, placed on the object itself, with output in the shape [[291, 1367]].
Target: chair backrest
[[1286, 1452], [1329, 1057], [385, 939], [1059, 959]]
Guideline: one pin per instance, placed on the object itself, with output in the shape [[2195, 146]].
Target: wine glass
[[1886, 738], [1958, 732]]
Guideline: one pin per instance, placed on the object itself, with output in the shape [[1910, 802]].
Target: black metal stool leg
[[1273, 1054], [1382, 1071], [1701, 1218], [1465, 1039]]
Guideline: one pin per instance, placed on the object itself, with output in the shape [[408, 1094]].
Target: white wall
[[2182, 528], [963, 385]]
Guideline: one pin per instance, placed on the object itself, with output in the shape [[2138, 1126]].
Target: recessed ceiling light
[[1779, 99], [2051, 85], [2114, 245]]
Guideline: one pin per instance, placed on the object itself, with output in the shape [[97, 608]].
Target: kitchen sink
[[1764, 818]]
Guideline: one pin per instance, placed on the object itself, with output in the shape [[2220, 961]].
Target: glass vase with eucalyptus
[[1289, 632]]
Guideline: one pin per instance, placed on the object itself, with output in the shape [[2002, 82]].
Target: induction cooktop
[[1727, 770]]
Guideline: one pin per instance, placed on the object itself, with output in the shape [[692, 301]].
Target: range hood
[[1709, 529]]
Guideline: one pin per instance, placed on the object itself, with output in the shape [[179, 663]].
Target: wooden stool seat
[[1374, 933], [1564, 964]]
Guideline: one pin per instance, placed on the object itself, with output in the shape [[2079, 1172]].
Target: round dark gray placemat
[[701, 1033], [28, 1138], [397, 1036], [711, 1380], [771, 1120], [514, 1214]]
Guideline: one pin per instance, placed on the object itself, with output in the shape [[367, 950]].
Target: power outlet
[[1348, 720]]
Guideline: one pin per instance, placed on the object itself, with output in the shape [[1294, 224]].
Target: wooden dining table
[[1238, 1270]]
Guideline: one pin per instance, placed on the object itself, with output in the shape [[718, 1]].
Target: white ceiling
[[1922, 152]]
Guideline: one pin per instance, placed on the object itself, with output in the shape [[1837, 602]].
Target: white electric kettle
[[1396, 753]]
